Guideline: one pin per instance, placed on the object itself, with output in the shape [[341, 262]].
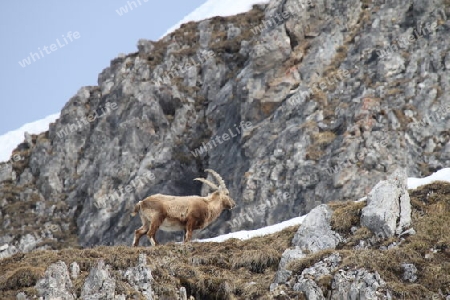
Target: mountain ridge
[[338, 140]]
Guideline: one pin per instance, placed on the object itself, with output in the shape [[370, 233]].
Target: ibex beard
[[187, 213]]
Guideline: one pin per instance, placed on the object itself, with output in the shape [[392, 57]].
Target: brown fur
[[187, 213]]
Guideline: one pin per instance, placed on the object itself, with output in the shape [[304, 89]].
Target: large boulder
[[315, 233], [283, 274], [388, 209]]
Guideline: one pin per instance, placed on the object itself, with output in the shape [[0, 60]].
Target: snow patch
[[248, 234], [441, 175], [10, 140]]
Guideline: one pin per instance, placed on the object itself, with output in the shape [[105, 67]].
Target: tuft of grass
[[256, 261], [324, 138], [320, 141], [297, 266], [345, 215], [21, 277], [313, 153]]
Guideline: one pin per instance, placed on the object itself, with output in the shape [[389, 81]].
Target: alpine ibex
[[187, 213]]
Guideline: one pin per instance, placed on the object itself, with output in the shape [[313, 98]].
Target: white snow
[[442, 175], [10, 140], [248, 234], [213, 8]]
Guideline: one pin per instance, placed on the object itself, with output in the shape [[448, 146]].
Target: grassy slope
[[204, 268], [244, 269]]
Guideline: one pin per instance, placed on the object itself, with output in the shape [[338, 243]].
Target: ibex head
[[220, 191]]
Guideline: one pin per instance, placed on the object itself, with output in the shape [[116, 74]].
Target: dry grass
[[339, 57], [402, 118], [324, 138], [319, 142], [314, 153], [433, 273], [244, 269], [346, 215], [431, 216], [394, 92], [23, 276], [233, 269], [256, 260], [321, 97]]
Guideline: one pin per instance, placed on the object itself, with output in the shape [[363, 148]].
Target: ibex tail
[[137, 207]]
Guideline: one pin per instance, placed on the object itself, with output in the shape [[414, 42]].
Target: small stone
[[429, 256], [315, 234], [183, 294], [410, 272], [74, 270]]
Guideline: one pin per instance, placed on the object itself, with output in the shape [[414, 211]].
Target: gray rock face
[[26, 177], [388, 209], [27, 243], [99, 284], [324, 267], [315, 233], [8, 251], [56, 283], [145, 46]]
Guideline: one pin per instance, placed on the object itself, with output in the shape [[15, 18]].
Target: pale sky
[[44, 86]]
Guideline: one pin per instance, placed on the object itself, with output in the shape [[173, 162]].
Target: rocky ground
[[321, 102], [330, 256], [390, 110]]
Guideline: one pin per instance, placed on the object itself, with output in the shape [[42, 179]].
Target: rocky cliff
[[320, 101]]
